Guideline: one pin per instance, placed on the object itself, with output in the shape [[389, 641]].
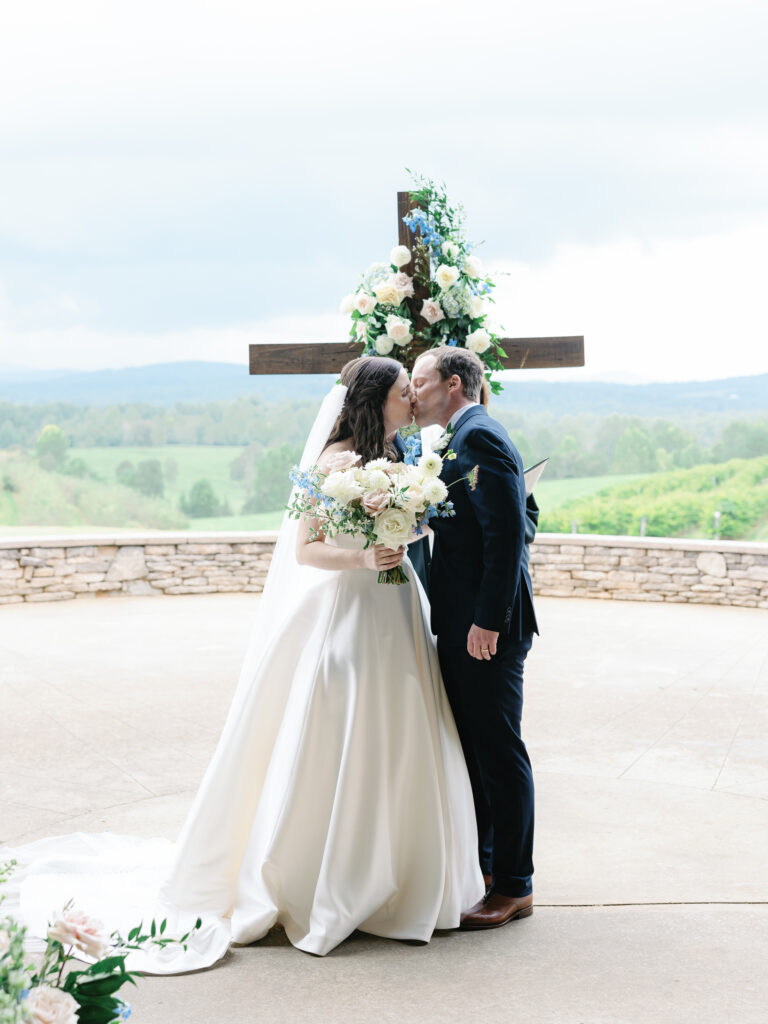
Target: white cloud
[[688, 309]]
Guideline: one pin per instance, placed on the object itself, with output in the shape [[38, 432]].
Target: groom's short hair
[[467, 366]]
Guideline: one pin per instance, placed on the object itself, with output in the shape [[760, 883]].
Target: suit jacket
[[479, 568], [418, 550]]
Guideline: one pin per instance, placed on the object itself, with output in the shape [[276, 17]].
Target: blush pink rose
[[432, 311], [375, 502], [342, 460], [73, 928], [404, 284]]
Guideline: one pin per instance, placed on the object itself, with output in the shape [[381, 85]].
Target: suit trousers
[[487, 702]]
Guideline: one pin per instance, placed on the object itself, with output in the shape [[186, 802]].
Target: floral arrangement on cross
[[444, 301]]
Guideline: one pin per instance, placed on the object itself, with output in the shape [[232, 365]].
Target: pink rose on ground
[[432, 311], [375, 502], [404, 284], [73, 928], [51, 1006], [342, 460]]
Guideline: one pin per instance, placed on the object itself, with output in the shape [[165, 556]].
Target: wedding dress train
[[336, 800]]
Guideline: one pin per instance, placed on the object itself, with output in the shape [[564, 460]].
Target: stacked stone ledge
[[615, 568], [651, 569], [64, 569]]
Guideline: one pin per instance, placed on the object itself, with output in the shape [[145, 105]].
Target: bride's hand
[[378, 558]]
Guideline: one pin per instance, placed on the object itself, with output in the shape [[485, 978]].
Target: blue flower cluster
[[124, 1009], [412, 450], [307, 483], [418, 220]]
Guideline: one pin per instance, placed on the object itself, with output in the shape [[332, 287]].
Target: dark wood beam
[[329, 357]]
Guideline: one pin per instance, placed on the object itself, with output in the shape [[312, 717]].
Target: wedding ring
[[484, 649]]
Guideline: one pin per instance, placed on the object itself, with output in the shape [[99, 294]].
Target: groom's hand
[[481, 643]]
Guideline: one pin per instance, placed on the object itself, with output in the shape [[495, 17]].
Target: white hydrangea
[[457, 301]]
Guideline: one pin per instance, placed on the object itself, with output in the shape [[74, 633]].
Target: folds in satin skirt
[[337, 799]]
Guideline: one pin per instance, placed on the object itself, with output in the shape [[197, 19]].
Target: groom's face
[[431, 394]]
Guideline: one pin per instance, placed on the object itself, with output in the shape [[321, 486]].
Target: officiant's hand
[[379, 558], [481, 643]]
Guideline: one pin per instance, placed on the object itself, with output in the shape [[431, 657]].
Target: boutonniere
[[444, 440]]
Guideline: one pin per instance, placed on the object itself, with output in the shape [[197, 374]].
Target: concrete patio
[[648, 730]]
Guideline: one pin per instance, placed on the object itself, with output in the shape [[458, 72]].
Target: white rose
[[51, 1006], [430, 464], [477, 308], [435, 490], [364, 304], [472, 266], [5, 942], [446, 276], [347, 304], [73, 928], [388, 293], [400, 255], [376, 480], [377, 464], [342, 486], [394, 527], [361, 330], [398, 329], [432, 311], [414, 498], [478, 341], [383, 345], [450, 249]]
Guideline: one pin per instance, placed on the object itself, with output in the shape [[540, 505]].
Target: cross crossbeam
[[329, 357]]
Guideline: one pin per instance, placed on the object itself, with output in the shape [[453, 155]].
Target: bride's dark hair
[[368, 381]]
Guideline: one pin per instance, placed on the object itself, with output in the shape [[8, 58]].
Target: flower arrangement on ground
[[444, 301], [57, 994], [384, 502]]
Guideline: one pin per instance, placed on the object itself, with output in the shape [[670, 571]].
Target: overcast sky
[[180, 179]]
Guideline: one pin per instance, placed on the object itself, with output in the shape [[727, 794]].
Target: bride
[[337, 798]]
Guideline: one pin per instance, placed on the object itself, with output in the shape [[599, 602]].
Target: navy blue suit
[[480, 575]]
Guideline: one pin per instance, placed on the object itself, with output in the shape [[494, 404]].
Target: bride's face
[[397, 408]]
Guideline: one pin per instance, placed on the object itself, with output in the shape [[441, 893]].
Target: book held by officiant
[[533, 475]]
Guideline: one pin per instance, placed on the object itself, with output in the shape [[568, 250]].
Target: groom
[[482, 614]]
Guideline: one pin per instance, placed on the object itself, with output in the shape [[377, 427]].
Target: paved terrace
[[647, 728]]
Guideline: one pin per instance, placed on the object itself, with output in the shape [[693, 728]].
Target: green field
[[194, 462], [675, 504]]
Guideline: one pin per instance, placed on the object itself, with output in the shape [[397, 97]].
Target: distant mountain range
[[167, 383]]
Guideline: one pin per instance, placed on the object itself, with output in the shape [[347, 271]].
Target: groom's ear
[[454, 382]]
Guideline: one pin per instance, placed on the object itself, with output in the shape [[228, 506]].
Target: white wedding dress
[[337, 798]]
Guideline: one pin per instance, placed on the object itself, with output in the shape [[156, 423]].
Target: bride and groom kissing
[[368, 776]]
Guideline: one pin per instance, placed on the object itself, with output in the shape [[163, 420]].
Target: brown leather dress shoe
[[496, 910]]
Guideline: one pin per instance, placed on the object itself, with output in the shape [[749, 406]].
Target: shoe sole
[[525, 912]]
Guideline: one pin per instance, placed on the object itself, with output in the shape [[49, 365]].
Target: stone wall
[[651, 569], [622, 568], [62, 568]]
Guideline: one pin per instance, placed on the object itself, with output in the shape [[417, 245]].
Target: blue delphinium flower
[[412, 450]]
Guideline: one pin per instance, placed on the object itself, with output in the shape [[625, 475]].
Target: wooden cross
[[329, 357]]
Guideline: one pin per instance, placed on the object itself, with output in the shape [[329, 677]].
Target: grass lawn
[[194, 462], [551, 493]]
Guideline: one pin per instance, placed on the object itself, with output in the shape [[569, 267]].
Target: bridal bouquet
[[385, 502], [51, 995]]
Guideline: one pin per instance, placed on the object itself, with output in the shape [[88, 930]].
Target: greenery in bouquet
[[383, 502], [55, 993], [454, 292]]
